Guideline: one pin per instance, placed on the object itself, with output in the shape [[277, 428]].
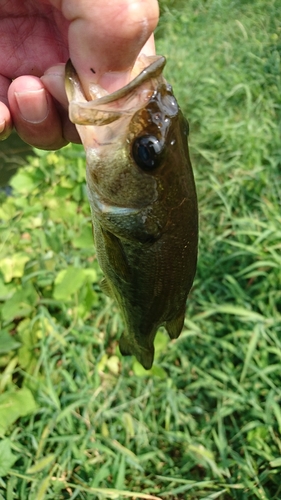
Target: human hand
[[103, 40]]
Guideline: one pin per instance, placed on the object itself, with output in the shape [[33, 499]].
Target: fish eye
[[147, 151]]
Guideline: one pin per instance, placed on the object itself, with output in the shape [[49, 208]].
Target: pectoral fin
[[116, 256]]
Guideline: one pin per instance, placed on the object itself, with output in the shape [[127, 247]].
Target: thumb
[[105, 37]]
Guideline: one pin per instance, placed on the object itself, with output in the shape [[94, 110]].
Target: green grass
[[76, 419]]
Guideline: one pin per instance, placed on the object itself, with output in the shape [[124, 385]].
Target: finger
[[5, 122], [54, 81], [149, 48], [35, 116], [106, 37], [5, 116]]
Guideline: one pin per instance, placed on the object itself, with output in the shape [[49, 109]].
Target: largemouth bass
[[143, 200]]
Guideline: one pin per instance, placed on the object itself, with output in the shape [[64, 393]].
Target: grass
[[76, 419]]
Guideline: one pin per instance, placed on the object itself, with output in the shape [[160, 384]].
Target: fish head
[[129, 143]]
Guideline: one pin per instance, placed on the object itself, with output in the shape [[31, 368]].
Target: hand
[[103, 40]]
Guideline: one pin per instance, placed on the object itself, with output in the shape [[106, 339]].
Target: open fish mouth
[[103, 121], [107, 125], [110, 107]]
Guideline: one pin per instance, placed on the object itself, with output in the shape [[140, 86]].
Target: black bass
[[143, 200]]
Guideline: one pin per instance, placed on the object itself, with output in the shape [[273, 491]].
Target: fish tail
[[174, 326], [144, 355]]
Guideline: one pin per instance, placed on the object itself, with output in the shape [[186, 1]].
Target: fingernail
[[5, 130], [57, 70], [33, 105], [53, 81]]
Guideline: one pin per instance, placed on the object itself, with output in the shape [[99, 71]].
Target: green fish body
[[143, 201]]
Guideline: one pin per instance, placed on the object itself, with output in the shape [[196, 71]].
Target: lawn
[[77, 420]]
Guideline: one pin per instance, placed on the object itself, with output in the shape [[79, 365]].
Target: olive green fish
[[143, 200]]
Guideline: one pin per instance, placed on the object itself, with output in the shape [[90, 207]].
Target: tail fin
[[145, 355], [174, 326]]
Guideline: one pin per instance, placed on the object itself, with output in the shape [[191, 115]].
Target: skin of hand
[[103, 39]]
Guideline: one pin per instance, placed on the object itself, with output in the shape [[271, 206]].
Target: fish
[[143, 200]]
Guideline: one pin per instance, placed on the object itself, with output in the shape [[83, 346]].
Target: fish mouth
[[103, 124], [105, 118], [109, 108]]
